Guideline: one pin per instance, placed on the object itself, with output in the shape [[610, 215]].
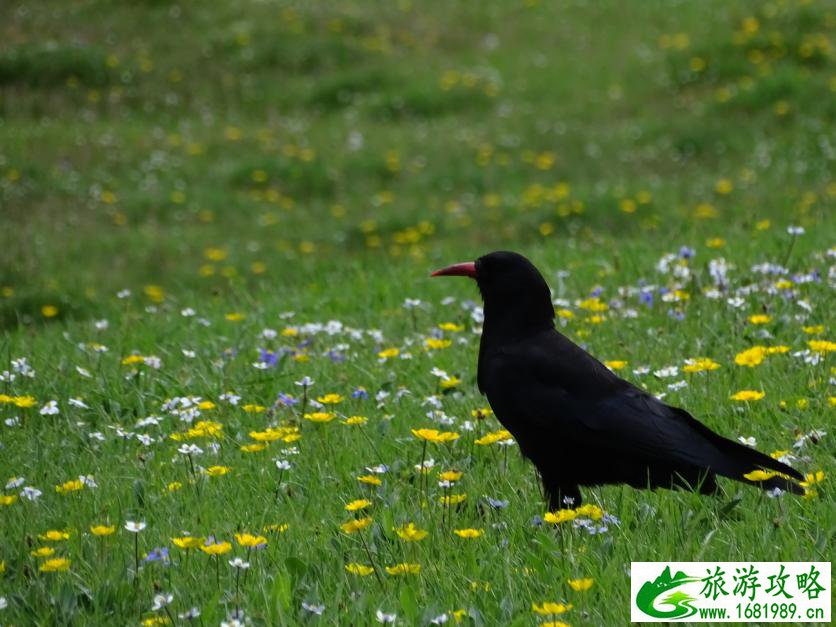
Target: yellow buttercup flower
[[330, 399], [551, 608], [434, 435], [359, 569], [103, 530], [249, 540], [218, 548], [469, 534], [410, 532], [747, 395], [353, 526], [581, 585], [404, 569], [55, 565], [188, 542], [44, 551], [353, 506]]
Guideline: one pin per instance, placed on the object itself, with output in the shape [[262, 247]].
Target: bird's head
[[515, 293]]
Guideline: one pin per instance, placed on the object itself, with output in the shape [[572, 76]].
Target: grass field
[[202, 204]]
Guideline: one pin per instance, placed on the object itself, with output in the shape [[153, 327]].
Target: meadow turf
[[204, 203]]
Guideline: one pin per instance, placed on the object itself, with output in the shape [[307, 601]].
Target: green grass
[[321, 159]]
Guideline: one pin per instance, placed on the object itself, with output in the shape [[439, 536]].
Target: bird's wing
[[565, 391]]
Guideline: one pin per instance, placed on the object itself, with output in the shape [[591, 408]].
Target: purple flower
[[159, 554], [597, 291], [287, 400], [686, 253], [336, 356], [646, 298], [270, 358], [676, 315], [360, 392]]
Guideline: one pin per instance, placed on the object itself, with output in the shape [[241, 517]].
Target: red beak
[[468, 268]]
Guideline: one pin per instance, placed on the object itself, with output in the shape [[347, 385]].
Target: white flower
[[77, 402], [260, 365], [83, 372], [747, 441], [189, 614], [437, 372], [97, 435], [135, 526], [152, 361], [774, 493], [188, 354], [305, 382], [31, 494], [411, 303], [795, 230], [380, 469], [101, 325], [12, 422], [269, 334], [190, 449], [15, 482], [282, 464], [239, 563], [314, 609], [673, 387], [50, 409], [88, 480], [144, 439], [3, 603], [669, 371], [161, 600], [736, 302], [382, 617], [440, 619], [188, 312], [123, 293]]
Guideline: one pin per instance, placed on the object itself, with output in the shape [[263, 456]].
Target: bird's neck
[[513, 322]]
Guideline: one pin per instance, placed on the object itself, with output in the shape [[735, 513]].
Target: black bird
[[579, 423]]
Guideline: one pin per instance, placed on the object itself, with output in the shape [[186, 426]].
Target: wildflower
[[44, 551], [469, 534], [615, 364], [493, 437], [188, 542], [320, 416], [330, 399], [55, 565], [252, 448], [251, 408], [750, 357], [560, 516], [217, 471], [452, 327], [452, 499], [30, 493], [161, 600], [103, 530], [235, 316], [50, 409], [304, 382], [812, 478], [449, 383], [747, 395], [355, 420], [383, 617], [69, 486], [174, 486], [369, 479], [239, 563], [135, 527], [410, 532], [760, 475], [53, 535], [581, 585], [450, 475], [216, 548], [359, 569], [700, 364], [353, 526], [8, 499], [822, 346], [357, 505], [760, 319], [433, 435], [436, 344], [404, 569], [550, 608], [250, 541]]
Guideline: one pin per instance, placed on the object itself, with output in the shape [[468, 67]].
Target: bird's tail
[[752, 466]]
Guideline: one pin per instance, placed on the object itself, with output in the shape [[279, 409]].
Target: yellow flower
[[593, 304], [355, 421], [249, 540], [760, 475], [253, 409], [814, 477], [320, 416], [369, 479], [469, 534], [8, 499], [615, 364], [44, 551], [715, 242], [388, 352], [566, 314], [188, 542], [560, 516], [24, 401], [353, 526], [253, 448], [590, 511], [174, 486], [359, 569], [772, 350], [235, 316], [133, 359], [217, 471], [747, 395], [54, 535], [435, 344], [56, 564], [410, 532], [450, 382], [550, 608], [49, 311], [581, 585], [813, 330], [103, 530], [330, 399], [750, 357], [452, 499], [271, 434], [822, 346], [434, 435], [404, 569], [218, 548], [450, 475], [204, 405], [278, 528], [723, 186], [290, 332], [700, 364], [483, 412], [450, 326], [760, 319], [154, 292], [358, 504], [493, 437]]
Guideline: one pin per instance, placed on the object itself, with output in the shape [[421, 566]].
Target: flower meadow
[[230, 393]]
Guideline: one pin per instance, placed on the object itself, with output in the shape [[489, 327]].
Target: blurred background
[[223, 148]]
